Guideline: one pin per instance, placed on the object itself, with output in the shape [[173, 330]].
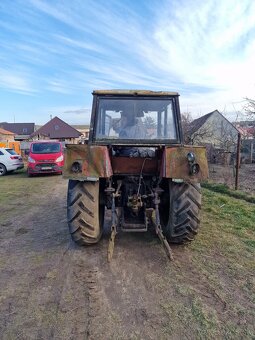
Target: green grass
[[214, 285], [231, 215], [224, 189], [228, 227]]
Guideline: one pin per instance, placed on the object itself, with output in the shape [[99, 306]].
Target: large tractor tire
[[180, 211], [85, 212]]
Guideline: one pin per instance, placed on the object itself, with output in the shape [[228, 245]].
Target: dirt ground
[[52, 289]]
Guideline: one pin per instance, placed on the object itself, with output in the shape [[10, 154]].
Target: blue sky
[[53, 54]]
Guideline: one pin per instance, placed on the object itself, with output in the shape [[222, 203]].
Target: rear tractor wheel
[[180, 211], [85, 213]]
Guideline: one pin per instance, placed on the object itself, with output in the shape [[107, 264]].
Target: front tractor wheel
[[180, 211], [85, 213]]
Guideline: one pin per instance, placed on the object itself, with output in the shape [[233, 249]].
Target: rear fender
[[92, 161], [175, 163]]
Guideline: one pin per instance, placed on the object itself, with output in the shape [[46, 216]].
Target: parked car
[[45, 157], [9, 161]]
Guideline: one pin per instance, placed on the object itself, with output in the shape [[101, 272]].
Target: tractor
[[135, 164]]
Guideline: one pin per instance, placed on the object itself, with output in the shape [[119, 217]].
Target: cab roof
[[134, 93]]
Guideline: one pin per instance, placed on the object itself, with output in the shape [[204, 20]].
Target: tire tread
[[84, 214], [184, 210]]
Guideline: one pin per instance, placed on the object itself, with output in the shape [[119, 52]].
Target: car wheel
[[2, 170]]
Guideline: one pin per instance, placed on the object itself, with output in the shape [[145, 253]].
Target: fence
[[223, 168], [226, 174]]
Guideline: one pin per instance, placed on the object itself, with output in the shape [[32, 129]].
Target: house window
[[56, 127], [24, 130]]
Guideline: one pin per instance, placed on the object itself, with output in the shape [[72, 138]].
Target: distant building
[[6, 136], [246, 128], [214, 131], [213, 128], [21, 131], [84, 130], [57, 129]]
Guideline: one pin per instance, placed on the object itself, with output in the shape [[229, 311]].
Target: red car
[[45, 157]]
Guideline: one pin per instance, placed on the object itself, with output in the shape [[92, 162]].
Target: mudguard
[[175, 163], [92, 161]]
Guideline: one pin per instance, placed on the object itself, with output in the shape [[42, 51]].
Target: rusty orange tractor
[[136, 165]]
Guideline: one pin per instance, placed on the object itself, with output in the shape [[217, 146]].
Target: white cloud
[[204, 50], [70, 114], [16, 80]]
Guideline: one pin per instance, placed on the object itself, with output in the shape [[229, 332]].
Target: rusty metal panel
[[175, 163], [134, 166], [94, 162]]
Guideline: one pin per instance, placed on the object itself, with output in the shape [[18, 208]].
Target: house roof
[[246, 131], [57, 128], [197, 123], [6, 132], [19, 128], [81, 127]]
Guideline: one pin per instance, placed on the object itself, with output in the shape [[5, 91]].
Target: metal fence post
[[238, 148], [251, 151]]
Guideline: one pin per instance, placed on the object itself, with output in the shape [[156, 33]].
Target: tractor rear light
[[195, 168], [191, 157], [76, 167]]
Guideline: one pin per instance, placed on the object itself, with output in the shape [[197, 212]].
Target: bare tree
[[218, 133], [191, 134], [201, 135], [249, 108], [186, 121], [227, 139]]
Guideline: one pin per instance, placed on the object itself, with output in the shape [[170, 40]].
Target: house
[[215, 132], [213, 128], [84, 130], [22, 131], [57, 129], [248, 150], [7, 140], [6, 136], [247, 130]]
